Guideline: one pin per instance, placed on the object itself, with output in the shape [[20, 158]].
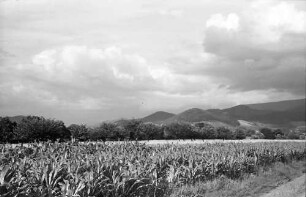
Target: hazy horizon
[[88, 61]]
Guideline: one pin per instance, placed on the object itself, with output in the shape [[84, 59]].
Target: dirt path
[[294, 188]]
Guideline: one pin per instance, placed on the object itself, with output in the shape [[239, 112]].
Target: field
[[133, 168]]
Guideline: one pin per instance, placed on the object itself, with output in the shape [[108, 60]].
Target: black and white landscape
[[152, 98], [86, 62]]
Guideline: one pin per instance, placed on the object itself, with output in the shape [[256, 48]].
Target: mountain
[[157, 117], [279, 106], [289, 114], [16, 119], [197, 115], [279, 113]]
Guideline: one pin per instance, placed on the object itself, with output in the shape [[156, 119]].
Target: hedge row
[[34, 128]]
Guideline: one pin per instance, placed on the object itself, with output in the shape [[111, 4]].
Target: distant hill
[[279, 106], [158, 117], [268, 114], [197, 115], [287, 114], [16, 119]]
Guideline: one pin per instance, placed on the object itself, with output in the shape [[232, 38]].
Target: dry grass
[[293, 188], [250, 185]]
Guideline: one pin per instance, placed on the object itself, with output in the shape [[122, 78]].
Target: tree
[[250, 132], [258, 135], [108, 130], [268, 133], [132, 127], [34, 128], [150, 131], [301, 129], [6, 129], [79, 132], [104, 131], [224, 133], [179, 130], [293, 135], [278, 133], [240, 133], [207, 132]]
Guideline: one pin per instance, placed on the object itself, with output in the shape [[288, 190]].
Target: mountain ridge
[[157, 117], [287, 114], [280, 113]]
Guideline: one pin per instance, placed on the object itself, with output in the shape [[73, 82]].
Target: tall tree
[[34, 128], [79, 132], [268, 133], [6, 129]]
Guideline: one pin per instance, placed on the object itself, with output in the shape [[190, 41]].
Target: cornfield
[[130, 169]]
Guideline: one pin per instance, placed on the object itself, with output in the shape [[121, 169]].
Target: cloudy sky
[[85, 61]]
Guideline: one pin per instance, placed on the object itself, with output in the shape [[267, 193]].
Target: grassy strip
[[294, 188], [251, 185]]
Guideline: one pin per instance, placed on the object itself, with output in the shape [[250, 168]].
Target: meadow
[[133, 168]]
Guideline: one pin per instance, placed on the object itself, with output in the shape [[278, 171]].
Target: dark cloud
[[248, 60]]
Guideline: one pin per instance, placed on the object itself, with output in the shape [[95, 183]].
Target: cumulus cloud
[[231, 22], [78, 77], [264, 51], [101, 60], [72, 64]]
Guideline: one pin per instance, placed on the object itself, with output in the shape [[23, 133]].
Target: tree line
[[34, 128]]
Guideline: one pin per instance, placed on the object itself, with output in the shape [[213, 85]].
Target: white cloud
[[108, 70], [231, 22], [80, 63], [267, 52], [171, 12], [108, 59], [273, 19]]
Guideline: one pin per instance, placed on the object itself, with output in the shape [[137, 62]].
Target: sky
[[88, 61]]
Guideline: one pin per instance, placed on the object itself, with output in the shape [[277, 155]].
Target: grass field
[[127, 169]]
